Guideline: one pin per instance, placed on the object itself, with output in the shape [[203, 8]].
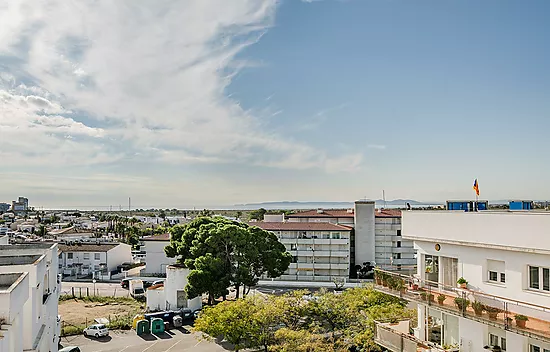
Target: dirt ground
[[78, 312]]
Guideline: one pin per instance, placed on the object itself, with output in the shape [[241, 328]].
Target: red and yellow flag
[[476, 187]]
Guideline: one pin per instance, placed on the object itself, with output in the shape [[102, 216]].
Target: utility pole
[[129, 203]]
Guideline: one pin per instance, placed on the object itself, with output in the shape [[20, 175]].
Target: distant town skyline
[[200, 103]]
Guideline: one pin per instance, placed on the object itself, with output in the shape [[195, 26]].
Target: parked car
[[70, 349], [96, 330], [158, 282]]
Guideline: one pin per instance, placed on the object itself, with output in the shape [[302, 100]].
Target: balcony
[[394, 337], [492, 310]]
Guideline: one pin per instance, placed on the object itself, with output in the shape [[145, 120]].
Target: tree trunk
[[238, 289]]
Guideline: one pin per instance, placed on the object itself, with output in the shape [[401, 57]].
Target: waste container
[[136, 319], [177, 321], [157, 326], [142, 327]]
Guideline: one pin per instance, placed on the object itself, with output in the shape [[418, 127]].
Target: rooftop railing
[[516, 316], [393, 340]]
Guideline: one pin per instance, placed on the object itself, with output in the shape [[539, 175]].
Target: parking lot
[[129, 341]]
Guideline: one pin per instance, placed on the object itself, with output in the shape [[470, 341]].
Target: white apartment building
[[29, 294], [376, 237], [99, 259], [504, 256], [156, 260], [320, 250]]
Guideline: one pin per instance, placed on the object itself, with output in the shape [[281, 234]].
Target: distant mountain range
[[396, 203]]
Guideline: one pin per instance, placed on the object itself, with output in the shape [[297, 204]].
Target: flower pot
[[478, 312], [441, 302], [385, 283], [464, 285], [378, 282], [493, 315], [520, 323]]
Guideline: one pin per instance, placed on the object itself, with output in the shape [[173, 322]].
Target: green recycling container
[[142, 327], [157, 326]]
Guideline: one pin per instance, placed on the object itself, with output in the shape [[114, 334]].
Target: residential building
[[320, 250], [376, 237], [172, 295], [29, 293], [100, 259], [505, 258], [155, 257], [4, 207], [21, 205]]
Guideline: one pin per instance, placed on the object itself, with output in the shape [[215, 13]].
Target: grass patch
[[69, 330], [99, 299]]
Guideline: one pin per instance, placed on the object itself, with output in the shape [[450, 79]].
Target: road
[[128, 341], [101, 289]]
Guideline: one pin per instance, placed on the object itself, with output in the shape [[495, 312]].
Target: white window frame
[[498, 274], [86, 256], [500, 340], [97, 256], [541, 270], [70, 256]]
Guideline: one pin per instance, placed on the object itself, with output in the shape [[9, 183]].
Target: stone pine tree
[[221, 252]]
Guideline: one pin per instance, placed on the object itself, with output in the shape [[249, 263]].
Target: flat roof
[[299, 226], [19, 259], [162, 237], [8, 279], [85, 247]]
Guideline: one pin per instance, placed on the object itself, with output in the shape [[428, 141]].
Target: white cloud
[[152, 75]]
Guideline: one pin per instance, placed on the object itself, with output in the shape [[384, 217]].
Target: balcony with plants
[[395, 336], [518, 317]]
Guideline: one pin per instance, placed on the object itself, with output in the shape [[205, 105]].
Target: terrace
[[515, 316], [396, 338]]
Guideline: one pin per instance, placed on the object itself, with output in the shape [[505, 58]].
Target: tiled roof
[[323, 213], [163, 237], [87, 247], [299, 226], [388, 213]]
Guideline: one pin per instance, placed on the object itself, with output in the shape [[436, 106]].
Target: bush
[[461, 281], [521, 317]]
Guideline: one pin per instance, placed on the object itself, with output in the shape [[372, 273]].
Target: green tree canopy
[[220, 251]]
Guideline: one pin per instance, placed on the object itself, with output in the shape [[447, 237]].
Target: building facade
[[156, 260], [99, 260], [505, 303], [376, 236], [29, 295], [320, 250]]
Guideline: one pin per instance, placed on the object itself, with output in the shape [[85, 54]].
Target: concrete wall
[[118, 255], [155, 258], [4, 240], [513, 230], [364, 232]]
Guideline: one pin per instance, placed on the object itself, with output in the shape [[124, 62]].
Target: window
[[495, 271], [69, 256], [495, 340], [294, 259], [293, 247], [398, 245], [398, 232], [537, 276], [86, 256], [336, 236], [97, 256], [397, 256], [533, 348]]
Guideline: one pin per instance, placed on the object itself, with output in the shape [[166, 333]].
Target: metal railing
[[516, 316], [397, 341]]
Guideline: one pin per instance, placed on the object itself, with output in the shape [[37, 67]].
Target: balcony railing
[[393, 340], [518, 317]]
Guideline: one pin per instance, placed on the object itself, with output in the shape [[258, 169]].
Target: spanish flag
[[476, 187]]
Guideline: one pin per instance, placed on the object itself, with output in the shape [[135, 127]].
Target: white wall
[[516, 230], [364, 232], [118, 255], [4, 240], [155, 258]]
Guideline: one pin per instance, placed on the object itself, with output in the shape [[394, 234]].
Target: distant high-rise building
[[4, 207], [21, 205]]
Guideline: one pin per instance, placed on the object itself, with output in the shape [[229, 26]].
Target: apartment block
[[320, 250], [100, 259], [505, 304], [29, 294], [155, 257], [376, 235]]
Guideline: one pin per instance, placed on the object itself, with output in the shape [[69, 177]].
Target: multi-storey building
[[376, 237], [99, 259], [320, 251], [4, 207], [29, 294], [505, 305], [155, 257]]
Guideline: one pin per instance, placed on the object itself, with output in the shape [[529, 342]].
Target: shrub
[[69, 330], [521, 317], [461, 281]]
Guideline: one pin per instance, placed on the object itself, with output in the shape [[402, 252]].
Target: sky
[[202, 103]]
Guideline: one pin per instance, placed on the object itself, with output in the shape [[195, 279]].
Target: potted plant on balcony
[[478, 308], [521, 320], [462, 303], [426, 296], [384, 278], [492, 312], [378, 276], [399, 285], [441, 298], [462, 283]]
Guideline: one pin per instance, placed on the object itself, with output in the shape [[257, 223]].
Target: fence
[[80, 292]]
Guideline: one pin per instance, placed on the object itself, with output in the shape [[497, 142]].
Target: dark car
[[125, 283]]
